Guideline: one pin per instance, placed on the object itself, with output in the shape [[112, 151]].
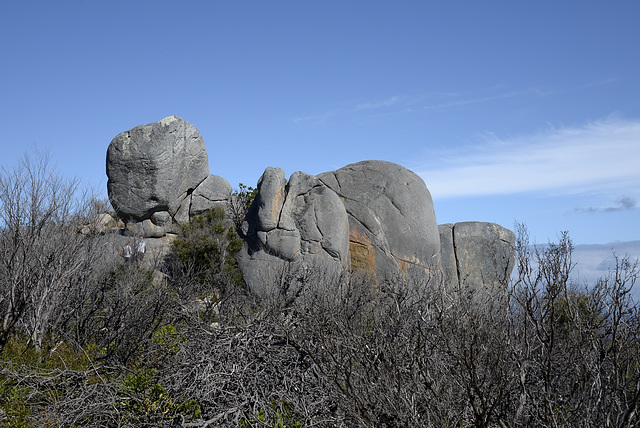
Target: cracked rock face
[[392, 223], [159, 177], [155, 167], [213, 192], [477, 256], [373, 216], [293, 226]]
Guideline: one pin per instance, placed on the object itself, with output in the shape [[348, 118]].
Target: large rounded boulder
[[153, 168], [392, 223]]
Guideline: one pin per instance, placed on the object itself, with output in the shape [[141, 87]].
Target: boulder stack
[[159, 177], [372, 217], [291, 227]]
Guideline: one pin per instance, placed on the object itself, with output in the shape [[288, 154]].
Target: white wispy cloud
[[468, 101], [377, 104], [600, 156], [411, 104], [403, 104], [347, 110]]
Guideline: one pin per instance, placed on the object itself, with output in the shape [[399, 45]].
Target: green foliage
[[207, 248], [283, 416], [168, 337], [18, 350], [145, 397], [246, 194], [239, 203], [17, 400], [575, 310], [14, 405]]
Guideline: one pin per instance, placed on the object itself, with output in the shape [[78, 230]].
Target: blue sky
[[510, 111]]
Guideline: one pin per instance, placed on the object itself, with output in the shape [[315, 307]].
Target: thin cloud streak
[[460, 103], [401, 104], [625, 203], [601, 155], [373, 105], [406, 104]]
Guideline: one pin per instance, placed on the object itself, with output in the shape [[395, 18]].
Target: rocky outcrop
[[477, 256], [159, 177], [154, 167], [101, 224], [292, 226], [375, 217], [392, 223]]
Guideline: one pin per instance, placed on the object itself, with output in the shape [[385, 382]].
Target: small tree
[[239, 202], [205, 253]]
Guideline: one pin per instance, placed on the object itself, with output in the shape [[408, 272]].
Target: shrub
[[239, 203], [206, 251]]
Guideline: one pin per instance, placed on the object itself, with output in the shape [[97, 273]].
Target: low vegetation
[[86, 340]]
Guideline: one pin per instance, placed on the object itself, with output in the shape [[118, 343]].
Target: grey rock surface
[[292, 227], [270, 198], [154, 167], [448, 256], [371, 216], [477, 256], [392, 223], [213, 192]]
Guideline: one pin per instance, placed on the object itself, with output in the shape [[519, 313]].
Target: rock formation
[[159, 177], [477, 256], [374, 217], [392, 223], [296, 225]]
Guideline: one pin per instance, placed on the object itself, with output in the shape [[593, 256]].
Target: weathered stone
[[283, 243], [151, 166], [261, 271], [181, 215], [213, 192], [392, 224], [485, 257], [373, 216], [448, 256], [161, 218], [292, 227], [145, 228], [268, 202], [318, 214], [100, 223]]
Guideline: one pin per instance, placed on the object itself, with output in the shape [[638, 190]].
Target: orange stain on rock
[[362, 251]]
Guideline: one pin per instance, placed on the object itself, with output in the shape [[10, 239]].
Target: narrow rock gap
[[284, 200], [455, 254]]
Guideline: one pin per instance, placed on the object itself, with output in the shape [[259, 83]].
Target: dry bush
[[43, 257], [577, 348], [333, 349]]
